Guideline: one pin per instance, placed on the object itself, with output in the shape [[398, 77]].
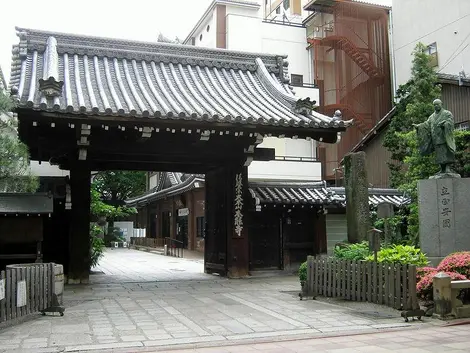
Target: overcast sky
[[134, 19]]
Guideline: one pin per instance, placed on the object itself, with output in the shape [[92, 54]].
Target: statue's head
[[437, 105]]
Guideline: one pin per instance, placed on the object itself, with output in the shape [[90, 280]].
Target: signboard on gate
[[183, 212], [2, 289]]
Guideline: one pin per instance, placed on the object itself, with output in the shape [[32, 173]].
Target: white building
[[268, 27], [443, 26]]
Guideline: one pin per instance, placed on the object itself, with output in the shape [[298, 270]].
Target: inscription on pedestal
[[445, 204], [443, 216]]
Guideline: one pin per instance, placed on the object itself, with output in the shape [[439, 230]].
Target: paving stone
[[61, 339], [133, 338], [188, 310]]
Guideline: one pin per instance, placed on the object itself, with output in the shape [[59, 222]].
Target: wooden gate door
[[215, 242], [265, 241], [182, 230]]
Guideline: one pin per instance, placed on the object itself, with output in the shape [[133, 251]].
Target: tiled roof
[[176, 189], [283, 193], [288, 194], [453, 79], [316, 194], [97, 76], [377, 195], [24, 203]]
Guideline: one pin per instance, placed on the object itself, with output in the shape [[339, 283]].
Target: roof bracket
[[146, 132], [205, 135]]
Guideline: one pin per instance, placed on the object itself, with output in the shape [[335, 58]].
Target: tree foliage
[[117, 186], [408, 166], [99, 208], [414, 106], [15, 175]]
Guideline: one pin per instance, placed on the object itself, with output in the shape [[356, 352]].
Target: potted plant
[[303, 277]]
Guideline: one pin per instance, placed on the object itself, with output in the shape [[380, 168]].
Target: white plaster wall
[[252, 34], [273, 142], [243, 33], [281, 170], [280, 39], [46, 169], [153, 181], [445, 22], [307, 92], [208, 38]]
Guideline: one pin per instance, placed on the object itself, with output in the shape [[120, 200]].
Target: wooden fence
[[148, 242], [393, 285], [25, 289]]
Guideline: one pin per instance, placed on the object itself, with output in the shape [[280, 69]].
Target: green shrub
[[96, 246], [401, 254], [357, 251], [303, 272]]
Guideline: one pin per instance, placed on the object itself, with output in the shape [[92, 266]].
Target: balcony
[[286, 169]]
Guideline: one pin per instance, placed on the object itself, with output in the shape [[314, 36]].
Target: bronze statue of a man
[[437, 135]]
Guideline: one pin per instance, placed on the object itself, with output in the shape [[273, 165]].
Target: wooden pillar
[[172, 219], [237, 232], [79, 244], [226, 242], [191, 216], [321, 245]]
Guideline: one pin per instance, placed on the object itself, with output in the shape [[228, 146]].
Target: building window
[[208, 28], [286, 4], [296, 80], [464, 126], [278, 10], [200, 37], [200, 227], [431, 50]]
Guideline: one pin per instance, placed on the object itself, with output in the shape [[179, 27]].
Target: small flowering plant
[[423, 271], [457, 262], [424, 288]]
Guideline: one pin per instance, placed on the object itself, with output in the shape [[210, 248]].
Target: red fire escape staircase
[[366, 64]]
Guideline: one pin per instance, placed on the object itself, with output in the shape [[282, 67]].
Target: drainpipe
[[392, 54]]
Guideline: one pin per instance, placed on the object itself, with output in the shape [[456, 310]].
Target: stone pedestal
[[444, 220]]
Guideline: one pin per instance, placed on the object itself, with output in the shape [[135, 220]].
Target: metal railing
[[296, 159], [174, 247]]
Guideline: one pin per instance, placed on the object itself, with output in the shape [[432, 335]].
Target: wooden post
[[79, 245], [237, 234], [191, 221]]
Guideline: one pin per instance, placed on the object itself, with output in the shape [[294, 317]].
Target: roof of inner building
[[274, 192]]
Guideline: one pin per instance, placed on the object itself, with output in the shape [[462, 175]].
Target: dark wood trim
[[327, 134]]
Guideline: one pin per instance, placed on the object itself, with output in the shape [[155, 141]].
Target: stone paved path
[[439, 339], [135, 309], [127, 265]]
